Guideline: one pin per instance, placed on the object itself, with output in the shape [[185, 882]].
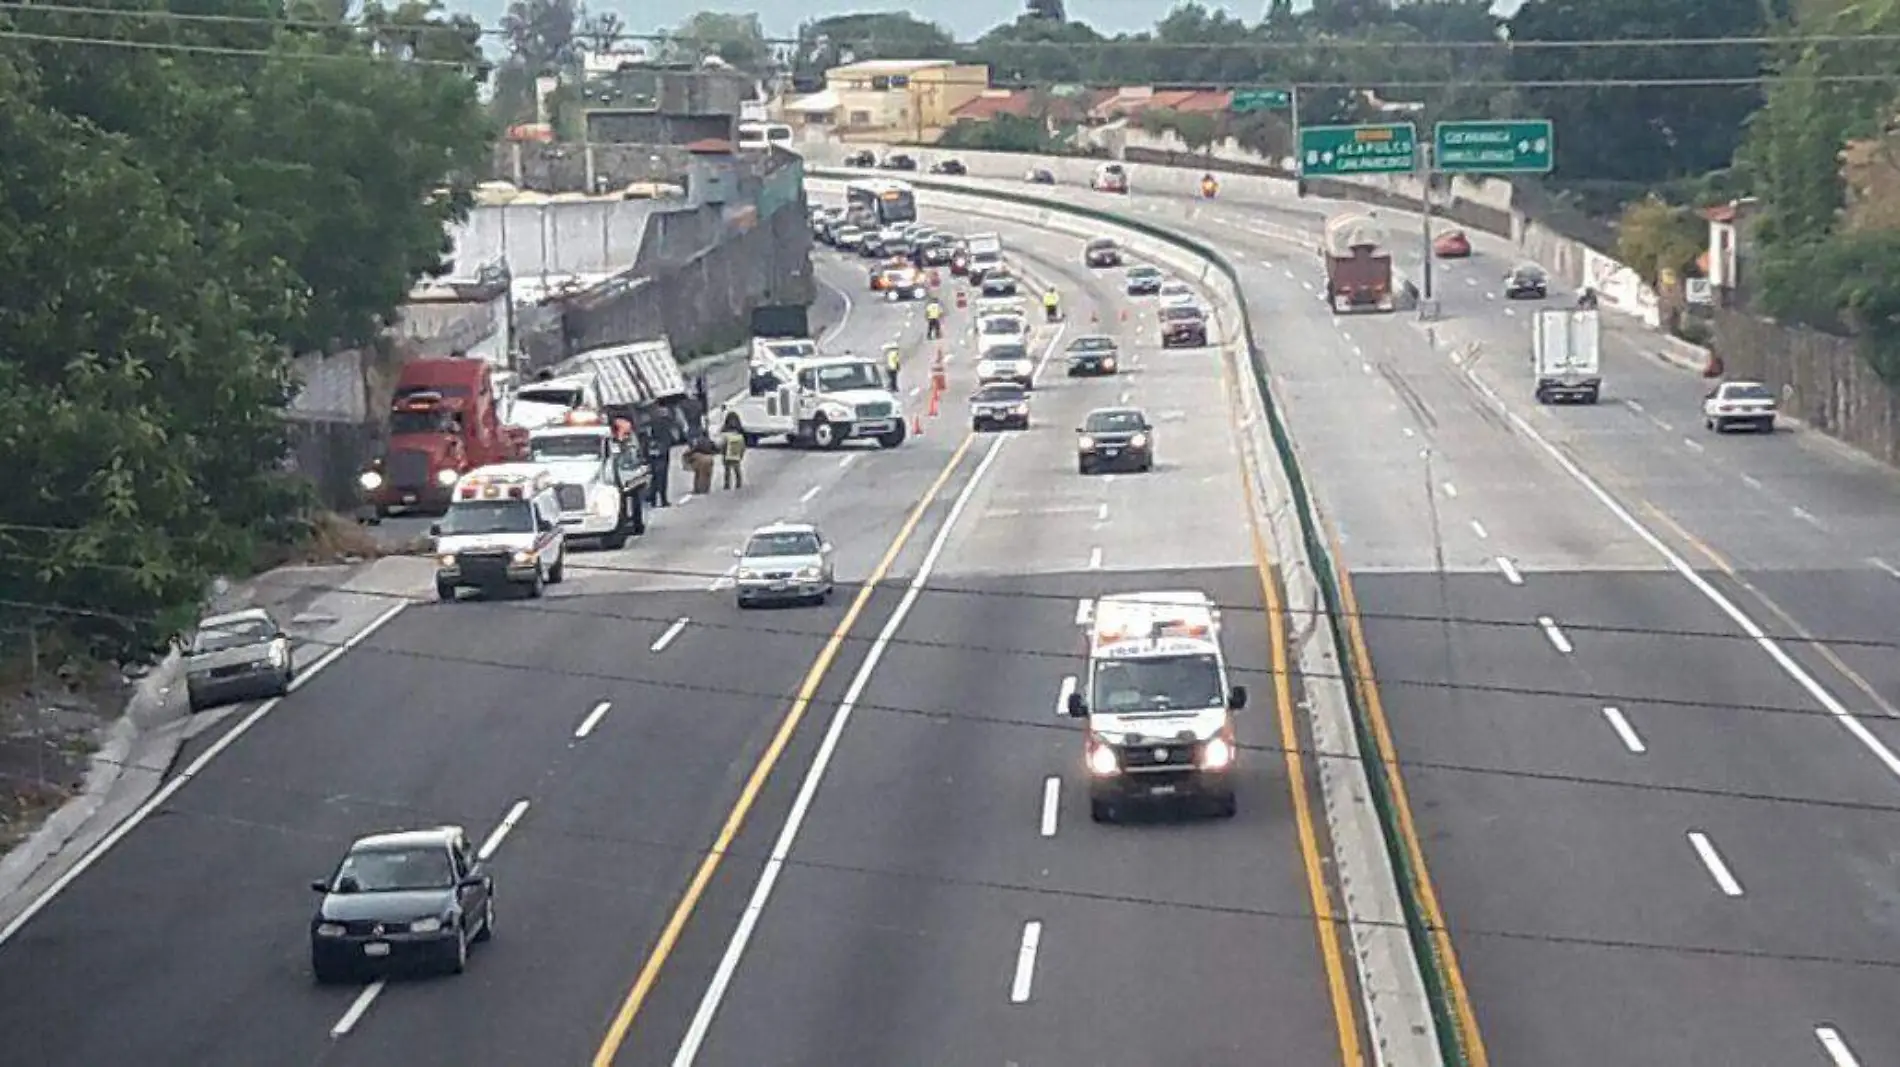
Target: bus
[[892, 202], [756, 135]]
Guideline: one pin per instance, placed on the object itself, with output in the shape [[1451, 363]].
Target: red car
[[1452, 245]]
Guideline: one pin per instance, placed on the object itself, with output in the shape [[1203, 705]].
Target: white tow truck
[[1159, 710], [600, 482], [810, 399], [1566, 355]]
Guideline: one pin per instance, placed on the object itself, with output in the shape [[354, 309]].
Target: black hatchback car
[[1102, 252], [1094, 355], [1526, 282], [408, 898], [1183, 326], [1113, 438]]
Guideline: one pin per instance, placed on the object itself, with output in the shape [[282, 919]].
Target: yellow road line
[[1326, 924], [1463, 1015], [735, 820], [1832, 658]]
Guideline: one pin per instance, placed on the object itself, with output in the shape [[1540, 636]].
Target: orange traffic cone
[[917, 425], [934, 394]]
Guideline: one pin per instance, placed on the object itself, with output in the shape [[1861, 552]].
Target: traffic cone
[[934, 394], [917, 425]]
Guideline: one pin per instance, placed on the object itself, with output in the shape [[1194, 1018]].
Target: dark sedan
[[1114, 437], [1102, 252], [1093, 355], [897, 161], [1183, 326], [1144, 281], [999, 281], [1526, 282], [861, 158], [999, 406], [413, 897], [949, 166]]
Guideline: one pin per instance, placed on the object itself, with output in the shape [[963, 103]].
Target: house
[[1721, 262], [910, 98], [1024, 103], [1132, 100]]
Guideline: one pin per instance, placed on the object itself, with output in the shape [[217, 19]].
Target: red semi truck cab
[[443, 423]]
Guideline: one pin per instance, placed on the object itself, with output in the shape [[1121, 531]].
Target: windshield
[[798, 543], [844, 376], [564, 396], [473, 517], [985, 257], [395, 870], [235, 633], [1092, 344], [1182, 314], [1530, 272], [1163, 683], [1101, 244], [1002, 324], [1748, 392], [1000, 393], [1144, 272], [402, 423], [1113, 422], [566, 446], [1006, 353]]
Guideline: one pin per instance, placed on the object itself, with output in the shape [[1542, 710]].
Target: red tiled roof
[[1133, 101], [1019, 102], [710, 146], [1719, 213]]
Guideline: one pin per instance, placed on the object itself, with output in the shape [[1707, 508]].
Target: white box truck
[[1566, 355]]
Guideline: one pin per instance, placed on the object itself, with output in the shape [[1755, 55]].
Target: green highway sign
[[1262, 100], [1332, 151], [1509, 146]]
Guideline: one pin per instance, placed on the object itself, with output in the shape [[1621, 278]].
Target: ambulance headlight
[[1218, 755], [371, 480], [1102, 762], [605, 505], [445, 478]]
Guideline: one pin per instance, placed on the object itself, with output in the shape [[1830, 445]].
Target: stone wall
[[1822, 380]]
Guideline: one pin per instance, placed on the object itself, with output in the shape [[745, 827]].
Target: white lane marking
[[1820, 693], [1634, 406], [1805, 515], [1101, 512], [1026, 963], [1557, 639], [1095, 558], [1892, 571], [1478, 528], [1407, 431], [723, 580], [1451, 490], [1490, 296], [1663, 426], [1631, 739], [1051, 804], [847, 461], [191, 772], [1084, 611], [1692, 444], [358, 1008], [592, 720], [1124, 397], [1835, 1046], [665, 639], [1063, 693], [1711, 859], [683, 500], [1752, 481], [1309, 288], [1365, 368], [821, 762], [809, 493], [1509, 570], [1357, 351], [501, 832], [1473, 282]]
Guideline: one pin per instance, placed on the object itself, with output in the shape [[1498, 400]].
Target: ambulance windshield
[[1156, 684]]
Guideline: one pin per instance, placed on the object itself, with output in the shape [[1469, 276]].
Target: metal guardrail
[[1427, 939]]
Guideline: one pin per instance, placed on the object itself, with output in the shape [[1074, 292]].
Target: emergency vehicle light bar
[[580, 417]]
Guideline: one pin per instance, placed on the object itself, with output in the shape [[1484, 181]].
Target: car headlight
[[370, 480], [1140, 440], [446, 477], [837, 412], [426, 926], [278, 654], [605, 506], [445, 560], [1108, 362], [808, 573], [1102, 762], [524, 556], [1020, 409], [1086, 444], [1218, 755], [747, 573], [329, 929]]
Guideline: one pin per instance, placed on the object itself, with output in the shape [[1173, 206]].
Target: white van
[[1110, 178]]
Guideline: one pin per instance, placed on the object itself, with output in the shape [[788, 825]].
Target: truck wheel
[[1226, 806], [1101, 810], [537, 585], [1591, 396], [823, 434], [893, 437], [751, 440], [558, 573]]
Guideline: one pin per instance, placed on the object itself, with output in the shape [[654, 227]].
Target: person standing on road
[[659, 450], [893, 362], [734, 449], [698, 458], [933, 321], [699, 394]]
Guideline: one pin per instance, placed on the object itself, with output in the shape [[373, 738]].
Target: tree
[[600, 31], [1639, 135], [541, 33], [1656, 237], [736, 39], [840, 39]]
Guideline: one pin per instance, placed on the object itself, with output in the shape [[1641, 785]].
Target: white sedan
[[1739, 404], [1177, 294]]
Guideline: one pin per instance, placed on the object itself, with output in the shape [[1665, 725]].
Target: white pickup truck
[[811, 399]]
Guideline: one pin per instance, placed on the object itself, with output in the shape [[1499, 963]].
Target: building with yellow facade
[[898, 99]]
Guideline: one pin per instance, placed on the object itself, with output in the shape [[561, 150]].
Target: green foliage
[[172, 226], [1656, 237], [1004, 133], [840, 39], [1842, 281], [736, 39]]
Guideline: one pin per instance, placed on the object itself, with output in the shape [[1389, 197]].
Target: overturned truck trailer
[[1358, 267]]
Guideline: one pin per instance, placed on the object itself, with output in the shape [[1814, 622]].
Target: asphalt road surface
[[1657, 838], [601, 741]]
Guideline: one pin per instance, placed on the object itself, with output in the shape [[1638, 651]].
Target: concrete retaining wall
[[1822, 380]]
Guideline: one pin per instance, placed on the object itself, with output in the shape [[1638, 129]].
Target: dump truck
[[1358, 269]]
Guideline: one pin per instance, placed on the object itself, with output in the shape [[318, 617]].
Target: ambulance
[[502, 531], [1157, 703]]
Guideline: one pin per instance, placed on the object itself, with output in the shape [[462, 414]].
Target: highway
[[1656, 838], [629, 748]]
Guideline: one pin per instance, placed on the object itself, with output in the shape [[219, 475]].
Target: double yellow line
[[649, 975]]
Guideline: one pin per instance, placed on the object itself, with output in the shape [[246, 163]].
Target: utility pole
[[1427, 307]]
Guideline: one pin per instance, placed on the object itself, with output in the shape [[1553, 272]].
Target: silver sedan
[[787, 562]]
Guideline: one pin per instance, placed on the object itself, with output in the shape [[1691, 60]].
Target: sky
[[966, 19]]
